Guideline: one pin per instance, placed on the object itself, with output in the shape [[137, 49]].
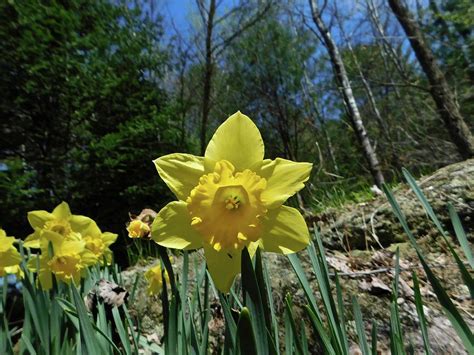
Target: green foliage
[[83, 109], [57, 322], [450, 26], [264, 81]]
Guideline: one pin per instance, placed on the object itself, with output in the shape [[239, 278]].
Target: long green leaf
[[121, 330], [374, 337], [458, 323], [364, 346], [246, 343], [319, 263], [291, 319], [320, 331], [230, 326], [421, 314], [466, 276], [253, 301], [461, 235], [275, 335], [88, 336], [263, 288]]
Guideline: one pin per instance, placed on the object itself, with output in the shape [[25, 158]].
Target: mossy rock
[[373, 223]]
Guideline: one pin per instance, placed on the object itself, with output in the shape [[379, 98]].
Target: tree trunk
[[206, 96], [373, 105], [439, 89], [348, 96]]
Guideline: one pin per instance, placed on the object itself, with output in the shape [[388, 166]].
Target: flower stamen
[[226, 208]]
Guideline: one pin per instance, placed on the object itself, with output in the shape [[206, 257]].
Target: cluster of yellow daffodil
[[68, 244], [9, 257], [230, 199]]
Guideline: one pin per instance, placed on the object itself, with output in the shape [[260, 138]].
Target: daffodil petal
[[80, 223], [284, 179], [285, 231], [91, 229], [72, 247], [172, 228], [37, 219], [88, 258], [62, 211], [6, 243], [223, 266], [109, 238], [33, 240], [10, 258], [181, 172], [238, 134], [50, 236]]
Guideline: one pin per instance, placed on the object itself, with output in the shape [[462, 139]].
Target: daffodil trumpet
[[230, 199]]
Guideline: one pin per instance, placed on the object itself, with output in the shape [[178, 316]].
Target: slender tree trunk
[[348, 96], [373, 105], [208, 71], [389, 53], [440, 91]]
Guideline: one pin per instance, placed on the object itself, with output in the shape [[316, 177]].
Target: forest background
[[93, 91]]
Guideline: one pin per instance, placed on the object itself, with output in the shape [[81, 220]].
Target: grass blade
[[461, 235], [87, 332], [421, 314], [364, 346], [458, 323], [320, 331], [374, 337], [291, 319], [246, 343], [122, 332], [466, 276], [253, 301]]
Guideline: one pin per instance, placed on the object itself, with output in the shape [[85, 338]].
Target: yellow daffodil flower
[[10, 258], [69, 261], [60, 221], [155, 280], [230, 199], [138, 229], [98, 243]]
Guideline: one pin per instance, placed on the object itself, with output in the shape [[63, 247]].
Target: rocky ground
[[361, 241]]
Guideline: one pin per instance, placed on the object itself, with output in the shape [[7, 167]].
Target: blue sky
[[177, 11]]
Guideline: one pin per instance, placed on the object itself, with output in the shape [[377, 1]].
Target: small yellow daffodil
[[98, 242], [69, 261], [230, 199], [138, 229], [60, 221], [155, 280], [10, 258]]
